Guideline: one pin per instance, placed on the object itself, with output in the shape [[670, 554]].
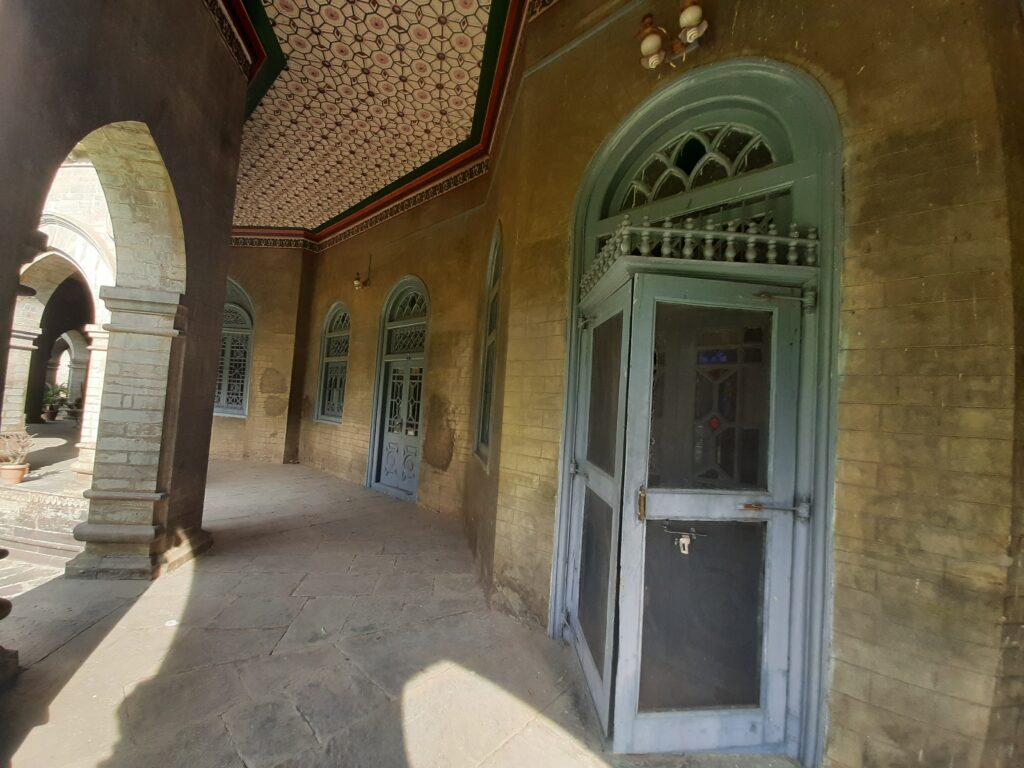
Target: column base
[[120, 554], [189, 545]]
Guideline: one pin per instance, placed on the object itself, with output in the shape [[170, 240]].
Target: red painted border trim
[[240, 17], [508, 46]]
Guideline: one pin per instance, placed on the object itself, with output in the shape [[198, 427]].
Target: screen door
[[597, 493], [708, 509]]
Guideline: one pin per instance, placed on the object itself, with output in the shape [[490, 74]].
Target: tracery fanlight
[[334, 364], [696, 159], [410, 304], [688, 199]]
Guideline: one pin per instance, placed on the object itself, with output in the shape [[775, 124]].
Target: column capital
[[141, 310], [141, 300], [24, 337], [98, 336]]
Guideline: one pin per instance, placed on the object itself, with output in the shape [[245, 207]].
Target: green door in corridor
[[400, 449], [398, 434]]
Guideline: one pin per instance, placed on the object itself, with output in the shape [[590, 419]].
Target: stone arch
[[39, 279], [143, 209], [140, 348], [87, 252], [77, 347]]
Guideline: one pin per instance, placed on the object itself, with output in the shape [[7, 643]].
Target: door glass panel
[[396, 385], [702, 615], [710, 398], [595, 564], [604, 393], [412, 419]]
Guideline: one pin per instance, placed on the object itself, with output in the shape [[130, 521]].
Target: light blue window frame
[[489, 350], [332, 375], [234, 366]]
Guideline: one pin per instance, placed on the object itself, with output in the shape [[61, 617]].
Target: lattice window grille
[[334, 365], [232, 372], [696, 159], [412, 420], [408, 340], [334, 389], [395, 392]]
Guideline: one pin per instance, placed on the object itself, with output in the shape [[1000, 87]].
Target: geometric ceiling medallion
[[377, 100]]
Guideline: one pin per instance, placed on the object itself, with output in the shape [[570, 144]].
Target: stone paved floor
[[51, 458], [17, 577], [329, 626]]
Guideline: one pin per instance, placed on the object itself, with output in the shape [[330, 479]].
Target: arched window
[[232, 395], [490, 338], [333, 364]]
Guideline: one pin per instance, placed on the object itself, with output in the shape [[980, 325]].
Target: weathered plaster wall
[[161, 63], [443, 244], [271, 278]]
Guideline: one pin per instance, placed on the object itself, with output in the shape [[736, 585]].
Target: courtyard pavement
[[328, 626]]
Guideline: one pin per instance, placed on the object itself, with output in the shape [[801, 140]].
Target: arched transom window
[[695, 159], [407, 323], [232, 393], [720, 184], [334, 364]]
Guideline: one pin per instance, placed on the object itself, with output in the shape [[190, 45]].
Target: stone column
[[122, 533], [76, 378], [98, 340], [23, 332], [19, 359]]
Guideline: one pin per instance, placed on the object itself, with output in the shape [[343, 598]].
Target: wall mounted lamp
[[656, 48], [359, 282]]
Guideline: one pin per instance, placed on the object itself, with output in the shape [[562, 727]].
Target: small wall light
[[359, 282], [654, 40]]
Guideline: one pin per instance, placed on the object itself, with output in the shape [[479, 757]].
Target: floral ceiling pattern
[[372, 90]]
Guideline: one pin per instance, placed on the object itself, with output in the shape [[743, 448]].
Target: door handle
[[641, 504]]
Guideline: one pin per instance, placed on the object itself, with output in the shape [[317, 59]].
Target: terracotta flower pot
[[12, 474]]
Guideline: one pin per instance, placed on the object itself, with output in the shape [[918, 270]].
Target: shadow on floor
[[329, 626]]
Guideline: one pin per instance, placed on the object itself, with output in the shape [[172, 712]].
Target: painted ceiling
[[373, 95]]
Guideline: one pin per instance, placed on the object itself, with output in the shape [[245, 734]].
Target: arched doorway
[[401, 372], [695, 491]]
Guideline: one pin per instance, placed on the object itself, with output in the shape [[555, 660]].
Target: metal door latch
[[683, 538], [802, 510]]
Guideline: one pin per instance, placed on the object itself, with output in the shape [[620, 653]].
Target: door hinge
[[641, 504], [574, 469], [583, 322]]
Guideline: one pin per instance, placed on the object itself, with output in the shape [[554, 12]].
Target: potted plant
[[14, 449], [54, 398]]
